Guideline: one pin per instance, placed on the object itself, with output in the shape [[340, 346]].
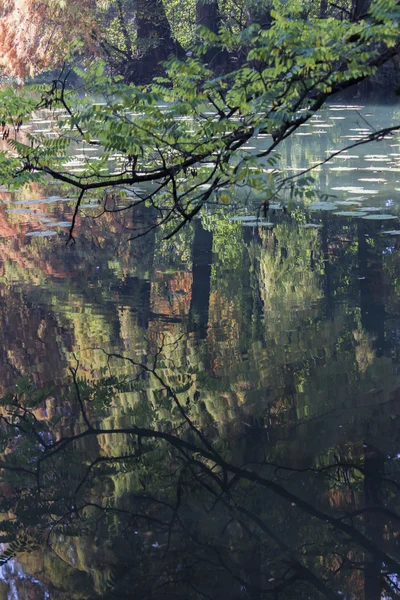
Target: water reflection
[[251, 449]]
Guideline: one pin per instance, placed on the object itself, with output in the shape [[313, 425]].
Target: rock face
[[34, 36]]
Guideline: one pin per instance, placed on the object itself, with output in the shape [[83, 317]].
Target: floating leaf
[[22, 211], [322, 206], [257, 224], [379, 217], [244, 218], [60, 224], [41, 233], [373, 179], [368, 209], [350, 213], [51, 200]]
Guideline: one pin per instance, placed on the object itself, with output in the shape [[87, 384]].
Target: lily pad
[[350, 213], [41, 234], [369, 209], [244, 218], [370, 192], [322, 206], [60, 224], [379, 217], [50, 200], [348, 188], [311, 226], [21, 211], [342, 168], [392, 232], [257, 224], [372, 179]]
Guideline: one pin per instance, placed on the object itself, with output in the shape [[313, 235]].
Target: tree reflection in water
[[229, 427], [155, 503]]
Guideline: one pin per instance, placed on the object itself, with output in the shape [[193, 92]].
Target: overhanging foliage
[[187, 133]]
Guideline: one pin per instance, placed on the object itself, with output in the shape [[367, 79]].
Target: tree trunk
[[208, 15], [372, 305], [360, 8], [202, 260], [374, 463], [154, 31], [140, 59], [154, 38], [259, 13], [323, 8]]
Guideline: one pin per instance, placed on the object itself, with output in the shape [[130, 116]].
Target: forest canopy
[[238, 71]]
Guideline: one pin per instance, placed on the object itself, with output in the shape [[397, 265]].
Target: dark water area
[[274, 350]]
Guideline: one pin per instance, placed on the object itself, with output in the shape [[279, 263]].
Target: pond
[[272, 350]]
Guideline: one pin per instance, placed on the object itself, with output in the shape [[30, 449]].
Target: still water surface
[[291, 334]]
